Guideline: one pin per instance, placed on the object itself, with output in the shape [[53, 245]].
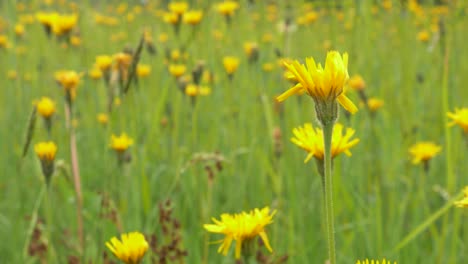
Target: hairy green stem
[[34, 216], [327, 138]]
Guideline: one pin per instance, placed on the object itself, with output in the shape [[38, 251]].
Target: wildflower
[[19, 30], [251, 50], [424, 151], [103, 62], [374, 262], [178, 8], [242, 228], [193, 17], [130, 248], [423, 36], [122, 60], [324, 85], [4, 43], [230, 65], [463, 202], [46, 152], [69, 81], [121, 143], [45, 107], [143, 70], [357, 83], [95, 73], [227, 8], [171, 18], [12, 75], [75, 40], [194, 90], [177, 70], [268, 67], [163, 37], [63, 24], [374, 104], [459, 117], [311, 140], [103, 118]]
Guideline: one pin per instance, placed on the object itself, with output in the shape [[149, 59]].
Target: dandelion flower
[[323, 84], [384, 261], [463, 202], [45, 106], [103, 118], [423, 36], [424, 151], [69, 80], [242, 228], [143, 70], [194, 90], [227, 8], [311, 140], [230, 64], [130, 248], [177, 70], [103, 62], [459, 117], [178, 8], [193, 17], [46, 152], [121, 143]]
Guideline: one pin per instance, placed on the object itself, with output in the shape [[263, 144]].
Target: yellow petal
[[347, 104]]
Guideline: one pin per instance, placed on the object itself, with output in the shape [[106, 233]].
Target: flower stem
[[34, 217], [327, 138]]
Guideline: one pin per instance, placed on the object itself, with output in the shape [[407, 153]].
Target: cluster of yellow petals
[[178, 8], [45, 107], [193, 17], [374, 104], [195, 90], [357, 83], [103, 62], [131, 247], [311, 140], [69, 81], [384, 261], [242, 228], [46, 151], [424, 151], [227, 8], [103, 118], [230, 64], [459, 117], [121, 143], [322, 84], [143, 70], [463, 202], [58, 23], [177, 70]]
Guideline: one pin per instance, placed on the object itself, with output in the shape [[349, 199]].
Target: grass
[[377, 197]]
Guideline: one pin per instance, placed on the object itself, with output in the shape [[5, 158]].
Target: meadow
[[197, 97]]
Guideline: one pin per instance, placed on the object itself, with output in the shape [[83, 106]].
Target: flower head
[[103, 62], [121, 143], [46, 151], [463, 202], [323, 84], [69, 80], [227, 8], [460, 117], [424, 151], [242, 228], [103, 118], [178, 7], [357, 83], [177, 70], [230, 64], [375, 262], [193, 17], [143, 70], [311, 140], [130, 248], [45, 106], [194, 90], [374, 104]]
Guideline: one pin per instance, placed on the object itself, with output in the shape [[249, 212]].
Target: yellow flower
[[19, 30], [424, 151], [103, 118], [374, 104], [12, 74], [171, 18], [75, 41], [46, 107], [322, 84], [122, 60], [177, 70], [463, 202], [121, 143], [4, 43], [227, 8], [423, 36], [130, 248], [95, 73], [194, 90], [193, 17], [460, 117], [46, 151], [268, 67], [69, 80], [249, 48], [178, 7], [311, 140], [143, 70], [163, 37], [103, 62], [242, 228], [63, 24], [230, 64], [357, 83], [375, 262]]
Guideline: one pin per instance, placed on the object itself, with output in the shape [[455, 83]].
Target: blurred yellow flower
[[103, 62], [69, 81], [227, 8], [177, 70], [424, 151], [75, 41], [463, 203], [193, 17], [46, 151], [163, 37], [459, 117], [12, 74], [194, 90], [384, 261], [322, 84], [242, 228], [4, 43], [268, 67], [19, 30], [311, 140], [171, 18], [230, 64], [143, 70], [178, 7], [250, 47], [45, 107], [423, 36], [95, 73], [103, 118], [121, 143], [374, 104], [63, 24], [357, 83], [131, 247], [122, 60]]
